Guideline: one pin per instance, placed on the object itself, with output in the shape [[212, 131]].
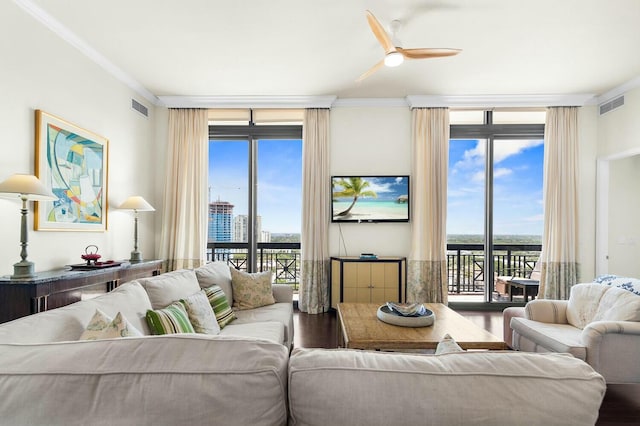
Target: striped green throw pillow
[[220, 305], [170, 320]]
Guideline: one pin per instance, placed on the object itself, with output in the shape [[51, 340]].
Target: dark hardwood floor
[[621, 405]]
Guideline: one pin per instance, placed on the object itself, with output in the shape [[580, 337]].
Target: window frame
[[490, 132], [252, 133]]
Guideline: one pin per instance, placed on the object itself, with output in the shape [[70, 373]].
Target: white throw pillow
[[618, 304], [583, 303], [216, 273], [167, 288], [448, 345], [101, 326], [201, 314]]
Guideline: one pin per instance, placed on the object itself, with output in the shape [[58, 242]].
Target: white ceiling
[[320, 47]]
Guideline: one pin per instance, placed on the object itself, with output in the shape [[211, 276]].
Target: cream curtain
[[427, 265], [183, 241], [316, 196], [559, 257]]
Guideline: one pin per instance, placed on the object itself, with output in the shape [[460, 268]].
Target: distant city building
[[265, 237], [241, 226], [220, 221]]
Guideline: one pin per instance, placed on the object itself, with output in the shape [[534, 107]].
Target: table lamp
[[136, 203], [26, 188]]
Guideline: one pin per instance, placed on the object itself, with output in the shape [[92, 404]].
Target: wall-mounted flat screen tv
[[370, 199]]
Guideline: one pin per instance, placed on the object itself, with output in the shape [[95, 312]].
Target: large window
[[255, 190], [494, 206]]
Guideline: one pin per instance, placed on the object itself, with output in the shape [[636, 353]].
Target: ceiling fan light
[[393, 59]]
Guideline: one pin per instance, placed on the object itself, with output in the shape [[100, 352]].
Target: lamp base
[[136, 257], [23, 269]]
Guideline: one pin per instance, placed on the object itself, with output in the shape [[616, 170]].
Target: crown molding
[[74, 40], [247, 101], [498, 101], [371, 102], [617, 91]]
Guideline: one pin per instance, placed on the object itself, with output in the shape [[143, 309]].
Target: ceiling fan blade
[[427, 52], [370, 71], [380, 33]]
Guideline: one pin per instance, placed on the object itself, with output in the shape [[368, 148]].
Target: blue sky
[[279, 180], [518, 167]]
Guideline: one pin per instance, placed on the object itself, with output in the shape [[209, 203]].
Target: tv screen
[[370, 199]]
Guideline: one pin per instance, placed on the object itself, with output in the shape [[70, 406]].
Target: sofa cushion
[[584, 300], [268, 330], [101, 326], [278, 312], [201, 314], [618, 304], [216, 273], [180, 379], [251, 290], [167, 288], [220, 304], [563, 338], [69, 322], [170, 320], [349, 387]]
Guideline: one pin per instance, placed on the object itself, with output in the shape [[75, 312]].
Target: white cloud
[[501, 151], [500, 172], [505, 149], [378, 188]]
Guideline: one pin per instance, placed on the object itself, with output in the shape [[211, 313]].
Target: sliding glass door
[[494, 210]]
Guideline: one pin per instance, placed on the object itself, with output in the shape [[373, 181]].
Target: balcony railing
[[465, 262], [283, 259]]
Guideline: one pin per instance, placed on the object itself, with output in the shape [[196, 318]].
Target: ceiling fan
[[394, 55]]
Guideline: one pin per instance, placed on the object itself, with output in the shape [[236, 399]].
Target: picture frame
[[73, 163]]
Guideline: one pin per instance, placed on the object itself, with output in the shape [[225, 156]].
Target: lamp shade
[[136, 203], [29, 186]]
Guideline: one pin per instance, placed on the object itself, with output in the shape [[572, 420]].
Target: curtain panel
[[427, 264], [316, 196], [183, 242], [559, 257]]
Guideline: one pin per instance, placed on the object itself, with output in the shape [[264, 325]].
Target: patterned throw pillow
[[170, 320], [101, 326], [448, 345], [201, 313], [251, 290], [220, 304]]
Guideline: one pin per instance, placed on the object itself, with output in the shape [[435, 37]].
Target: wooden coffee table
[[360, 328]]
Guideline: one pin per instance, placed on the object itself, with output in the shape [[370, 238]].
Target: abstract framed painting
[[73, 163]]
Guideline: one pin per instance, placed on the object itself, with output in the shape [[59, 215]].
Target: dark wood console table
[[60, 287]]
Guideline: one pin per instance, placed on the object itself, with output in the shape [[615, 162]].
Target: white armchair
[[598, 324]]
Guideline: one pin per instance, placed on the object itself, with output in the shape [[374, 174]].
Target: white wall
[[624, 220], [619, 154], [587, 149], [370, 141], [619, 130], [41, 71]]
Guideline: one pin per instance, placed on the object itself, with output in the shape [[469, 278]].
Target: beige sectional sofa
[[600, 324], [246, 375]]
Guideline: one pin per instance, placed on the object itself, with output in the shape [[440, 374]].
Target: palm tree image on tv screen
[[370, 198]]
